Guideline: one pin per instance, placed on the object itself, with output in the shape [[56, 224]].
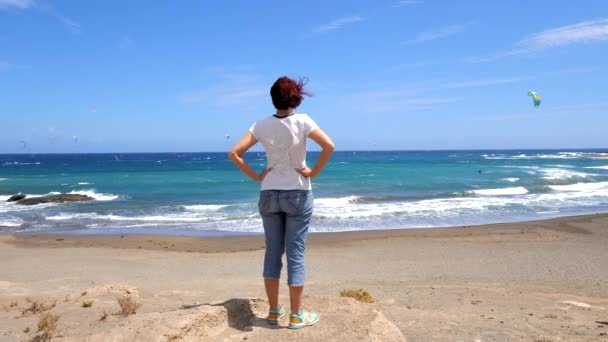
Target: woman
[[286, 198]]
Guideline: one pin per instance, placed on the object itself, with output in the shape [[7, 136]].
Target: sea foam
[[204, 207], [336, 201], [502, 191], [93, 194], [580, 186], [10, 221], [561, 174]]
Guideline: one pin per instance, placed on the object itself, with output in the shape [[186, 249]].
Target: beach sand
[[529, 281]]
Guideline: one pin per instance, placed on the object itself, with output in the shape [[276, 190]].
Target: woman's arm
[[236, 155], [327, 149]]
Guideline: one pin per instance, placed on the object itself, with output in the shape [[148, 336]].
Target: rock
[[16, 198], [55, 199]]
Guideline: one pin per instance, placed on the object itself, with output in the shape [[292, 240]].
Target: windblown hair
[[287, 93]]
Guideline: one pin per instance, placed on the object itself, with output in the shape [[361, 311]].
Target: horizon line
[[354, 150]]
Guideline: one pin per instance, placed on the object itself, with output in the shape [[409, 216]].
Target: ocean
[[205, 194]]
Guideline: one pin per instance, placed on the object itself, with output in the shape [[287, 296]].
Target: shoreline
[[230, 243]]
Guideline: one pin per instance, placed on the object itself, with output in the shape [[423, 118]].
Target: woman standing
[[286, 199]]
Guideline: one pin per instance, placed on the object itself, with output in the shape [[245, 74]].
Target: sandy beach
[[529, 281]]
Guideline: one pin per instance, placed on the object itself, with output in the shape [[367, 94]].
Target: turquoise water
[[203, 193]]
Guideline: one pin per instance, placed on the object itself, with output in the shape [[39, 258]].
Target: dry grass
[[47, 327], [13, 303], [360, 295], [26, 330], [87, 303], [36, 306], [103, 317], [128, 306]]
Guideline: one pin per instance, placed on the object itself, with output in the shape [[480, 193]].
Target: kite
[[535, 98]]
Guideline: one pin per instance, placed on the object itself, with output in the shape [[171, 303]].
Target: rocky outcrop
[[54, 199], [15, 198]]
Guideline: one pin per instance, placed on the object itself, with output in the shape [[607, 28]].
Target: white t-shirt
[[284, 140]]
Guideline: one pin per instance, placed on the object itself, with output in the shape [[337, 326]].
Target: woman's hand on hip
[[306, 172], [262, 175]]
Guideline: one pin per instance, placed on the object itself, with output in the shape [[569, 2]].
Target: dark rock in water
[[15, 198], [55, 199]]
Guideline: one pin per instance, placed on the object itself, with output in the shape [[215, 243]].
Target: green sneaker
[[302, 320], [275, 315]]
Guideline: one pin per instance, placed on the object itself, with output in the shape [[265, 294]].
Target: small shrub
[[360, 295], [47, 325], [87, 303], [36, 306], [13, 303], [26, 330], [128, 306]]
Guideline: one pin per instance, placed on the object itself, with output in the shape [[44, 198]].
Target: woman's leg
[[272, 291], [274, 232], [296, 298], [298, 214]]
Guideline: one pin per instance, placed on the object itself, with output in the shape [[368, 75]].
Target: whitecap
[[520, 190], [580, 186], [205, 207], [559, 155], [336, 201], [511, 179], [561, 174], [453, 208], [10, 222], [93, 194], [18, 163], [604, 167], [112, 217]]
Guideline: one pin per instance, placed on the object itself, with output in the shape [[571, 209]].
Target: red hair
[[287, 93]]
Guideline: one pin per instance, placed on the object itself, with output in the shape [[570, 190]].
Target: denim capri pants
[[286, 217]]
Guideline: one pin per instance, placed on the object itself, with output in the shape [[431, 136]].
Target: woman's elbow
[[329, 146], [233, 155]]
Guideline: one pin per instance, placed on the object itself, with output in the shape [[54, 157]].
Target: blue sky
[[143, 76]]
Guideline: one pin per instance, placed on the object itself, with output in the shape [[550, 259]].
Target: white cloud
[[222, 95], [583, 32], [231, 89], [439, 33], [482, 83], [22, 4], [6, 66], [403, 3], [335, 24], [415, 96], [42, 7], [395, 99], [67, 21]]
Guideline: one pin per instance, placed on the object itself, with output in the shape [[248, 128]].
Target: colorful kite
[[535, 98]]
